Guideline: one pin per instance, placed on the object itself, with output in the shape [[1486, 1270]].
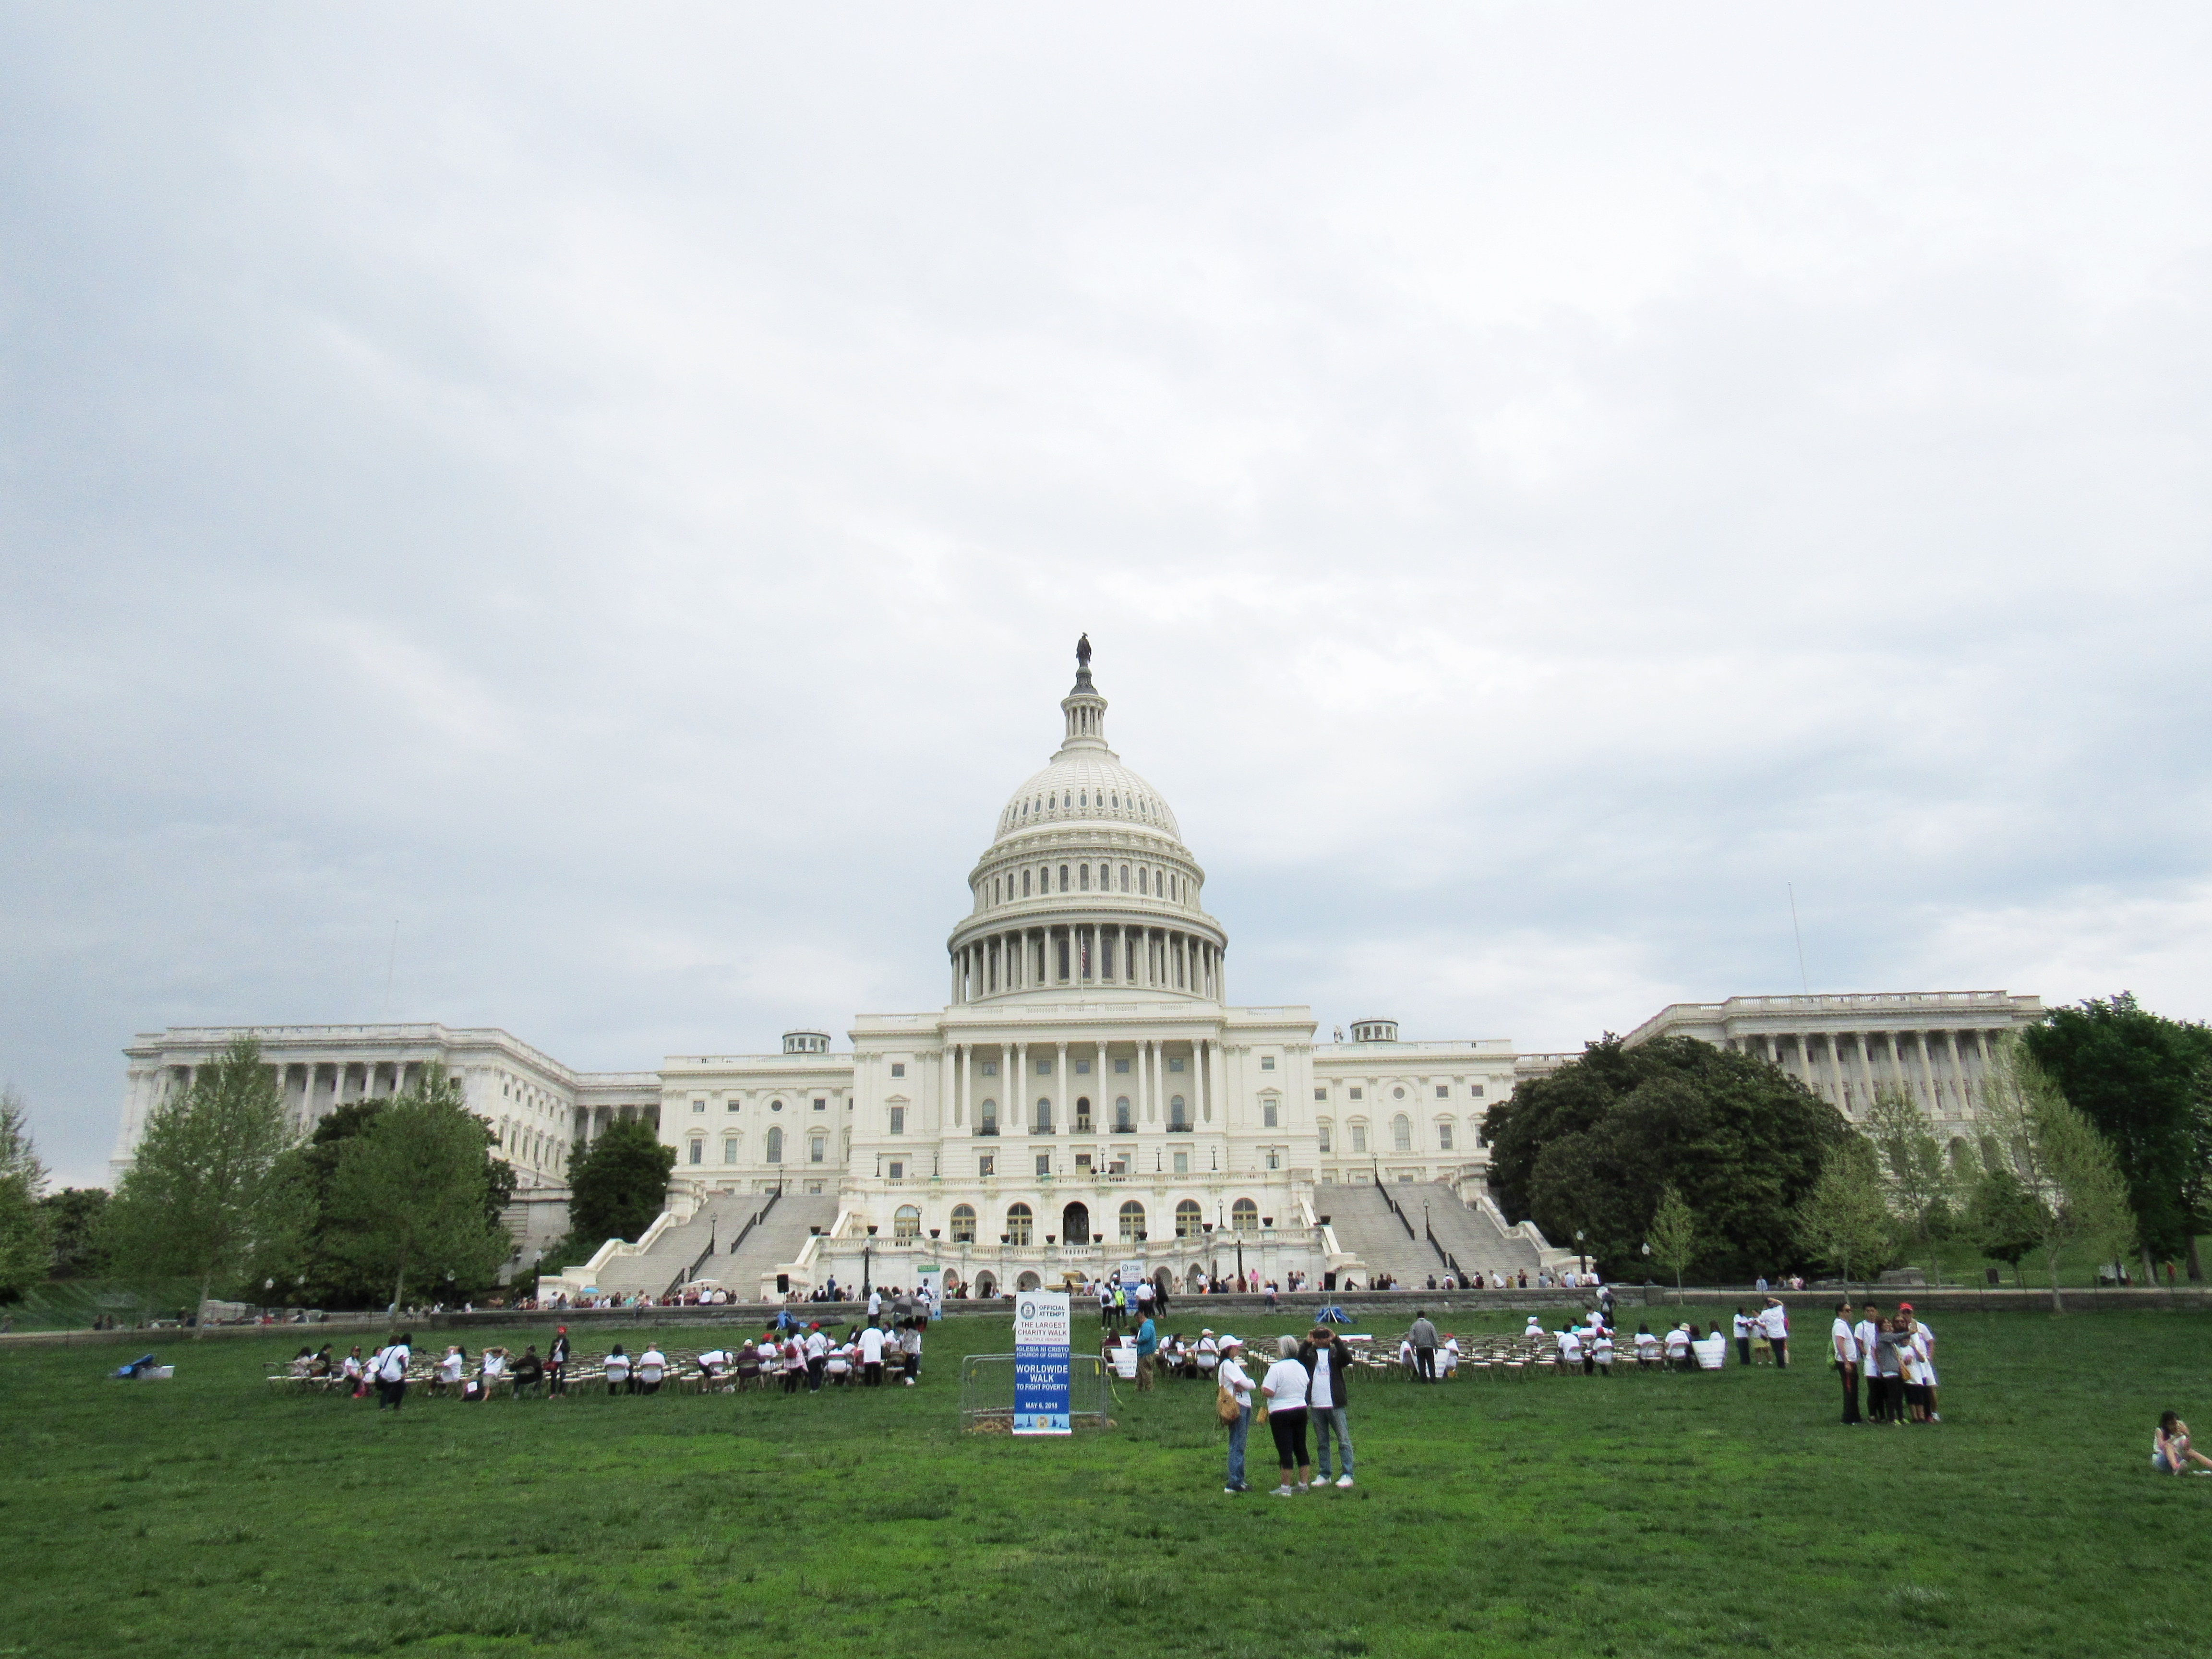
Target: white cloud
[[616, 495]]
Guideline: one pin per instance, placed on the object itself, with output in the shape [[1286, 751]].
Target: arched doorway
[[1075, 1225], [1029, 1281], [986, 1285]]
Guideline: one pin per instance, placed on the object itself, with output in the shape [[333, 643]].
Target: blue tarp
[[144, 1363]]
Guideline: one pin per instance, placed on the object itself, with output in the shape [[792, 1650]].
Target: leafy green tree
[[411, 1193], [1593, 1145], [2050, 1146], [26, 1230], [1845, 1221], [2004, 1219], [75, 1213], [617, 1186], [1920, 1181], [1674, 1241], [200, 1195], [2142, 1080], [307, 1255]]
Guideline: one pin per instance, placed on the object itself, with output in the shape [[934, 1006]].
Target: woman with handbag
[[1233, 1405]]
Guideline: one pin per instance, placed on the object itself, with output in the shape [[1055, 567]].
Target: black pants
[[871, 1374], [391, 1393], [1289, 1429], [814, 1373], [556, 1378], [912, 1366], [1781, 1347], [1851, 1375], [1424, 1364], [1743, 1351]]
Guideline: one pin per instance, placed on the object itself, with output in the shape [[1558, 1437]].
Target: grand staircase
[[1364, 1223], [766, 1230]]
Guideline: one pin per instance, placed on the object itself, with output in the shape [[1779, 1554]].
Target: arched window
[[1359, 1137], [1122, 1124], [1125, 878], [1245, 1216], [1063, 878], [1402, 1133], [1018, 1223], [1083, 878], [1083, 1114], [1186, 1221], [1140, 879], [776, 1144], [1044, 1115], [1133, 1221], [1177, 1113], [906, 1222], [987, 1118], [1025, 884], [1105, 878], [964, 1223]]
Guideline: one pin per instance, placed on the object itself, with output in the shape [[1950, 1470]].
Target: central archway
[[1075, 1225]]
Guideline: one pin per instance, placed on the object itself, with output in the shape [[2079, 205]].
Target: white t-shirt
[[1604, 1346], [871, 1346], [495, 1366], [1924, 1340], [712, 1359], [1741, 1325], [1862, 1337], [617, 1368], [1534, 1326], [651, 1365], [1678, 1343], [1320, 1394], [1208, 1355], [1232, 1377], [351, 1366], [1284, 1386], [391, 1363], [1775, 1321], [449, 1368], [1846, 1345], [817, 1344], [1570, 1346], [1646, 1345], [841, 1358]]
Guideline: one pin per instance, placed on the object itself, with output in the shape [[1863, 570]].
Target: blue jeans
[[1238, 1431], [1325, 1421]]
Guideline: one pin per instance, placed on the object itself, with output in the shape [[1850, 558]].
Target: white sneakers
[[1345, 1481], [1282, 1492]]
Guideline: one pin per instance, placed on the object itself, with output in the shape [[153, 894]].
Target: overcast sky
[[614, 492]]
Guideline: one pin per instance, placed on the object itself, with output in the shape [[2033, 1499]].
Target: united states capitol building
[[1088, 1096]]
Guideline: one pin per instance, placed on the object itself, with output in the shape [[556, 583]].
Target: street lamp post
[[1581, 1257]]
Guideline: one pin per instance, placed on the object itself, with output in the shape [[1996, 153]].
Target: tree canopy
[[617, 1184], [2055, 1154], [416, 1195], [2146, 1082], [1847, 1220], [26, 1229], [75, 1214], [199, 1198], [1594, 1145]]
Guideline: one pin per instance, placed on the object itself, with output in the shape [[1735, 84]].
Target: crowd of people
[[1895, 1356]]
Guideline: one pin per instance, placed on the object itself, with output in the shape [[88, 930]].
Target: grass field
[[1645, 1515]]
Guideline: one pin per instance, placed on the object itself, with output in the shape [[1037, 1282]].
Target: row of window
[[987, 1115], [1109, 799], [821, 1103], [817, 1146], [1443, 1089], [1401, 1134], [1021, 1221], [1076, 878]]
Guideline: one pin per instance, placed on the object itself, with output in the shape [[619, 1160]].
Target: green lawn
[[1663, 1514]]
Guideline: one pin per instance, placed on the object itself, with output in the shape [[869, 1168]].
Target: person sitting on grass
[[2170, 1450], [528, 1372]]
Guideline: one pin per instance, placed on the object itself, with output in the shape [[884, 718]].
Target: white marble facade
[[1088, 1083]]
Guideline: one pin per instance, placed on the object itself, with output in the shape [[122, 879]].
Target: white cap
[[1232, 1342]]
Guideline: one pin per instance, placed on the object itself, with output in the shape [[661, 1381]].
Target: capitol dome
[[1086, 883]]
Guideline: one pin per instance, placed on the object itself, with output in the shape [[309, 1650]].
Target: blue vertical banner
[[1042, 1331]]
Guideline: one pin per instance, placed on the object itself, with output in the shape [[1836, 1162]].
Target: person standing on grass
[[1864, 1335], [871, 1356], [1887, 1361], [1328, 1364], [1844, 1348], [817, 1357], [391, 1372], [557, 1363], [1774, 1320], [1423, 1335], [1740, 1325], [910, 1352], [1284, 1386], [1148, 1344], [1143, 1300], [1923, 1347], [1105, 1306], [1232, 1377]]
